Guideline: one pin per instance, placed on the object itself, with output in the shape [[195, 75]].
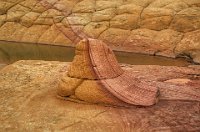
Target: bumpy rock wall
[[160, 27]]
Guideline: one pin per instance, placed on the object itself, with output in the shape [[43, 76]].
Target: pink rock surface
[[29, 103], [95, 60]]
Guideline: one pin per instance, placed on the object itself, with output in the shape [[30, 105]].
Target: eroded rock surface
[[29, 101], [145, 26], [96, 70]]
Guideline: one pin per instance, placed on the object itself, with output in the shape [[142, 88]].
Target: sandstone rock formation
[[146, 26], [95, 71], [95, 77], [29, 102]]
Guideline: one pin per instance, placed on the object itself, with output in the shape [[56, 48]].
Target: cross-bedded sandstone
[[95, 76], [29, 103], [116, 22]]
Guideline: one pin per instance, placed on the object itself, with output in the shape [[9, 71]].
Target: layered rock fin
[[96, 64]]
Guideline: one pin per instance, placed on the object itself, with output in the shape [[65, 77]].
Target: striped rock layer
[[95, 71], [168, 28]]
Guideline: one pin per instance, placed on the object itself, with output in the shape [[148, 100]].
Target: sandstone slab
[[124, 21], [177, 16], [189, 45], [105, 4], [29, 18], [29, 102], [130, 9], [104, 15], [85, 6], [153, 42], [187, 20], [156, 18], [94, 29], [114, 36]]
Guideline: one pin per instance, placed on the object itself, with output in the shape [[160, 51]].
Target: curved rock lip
[[120, 83]]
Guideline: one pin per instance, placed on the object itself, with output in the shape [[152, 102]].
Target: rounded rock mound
[[96, 77]]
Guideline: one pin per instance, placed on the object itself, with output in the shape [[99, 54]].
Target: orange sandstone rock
[[96, 77]]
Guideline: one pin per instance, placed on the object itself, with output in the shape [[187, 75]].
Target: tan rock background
[[161, 27]]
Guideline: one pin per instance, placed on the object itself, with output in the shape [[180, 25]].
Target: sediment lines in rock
[[148, 26], [29, 103], [96, 77]]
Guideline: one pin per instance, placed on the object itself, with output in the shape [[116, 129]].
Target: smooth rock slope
[[29, 101]]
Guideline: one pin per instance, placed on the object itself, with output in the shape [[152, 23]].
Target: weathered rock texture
[[95, 71], [161, 27], [29, 102]]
